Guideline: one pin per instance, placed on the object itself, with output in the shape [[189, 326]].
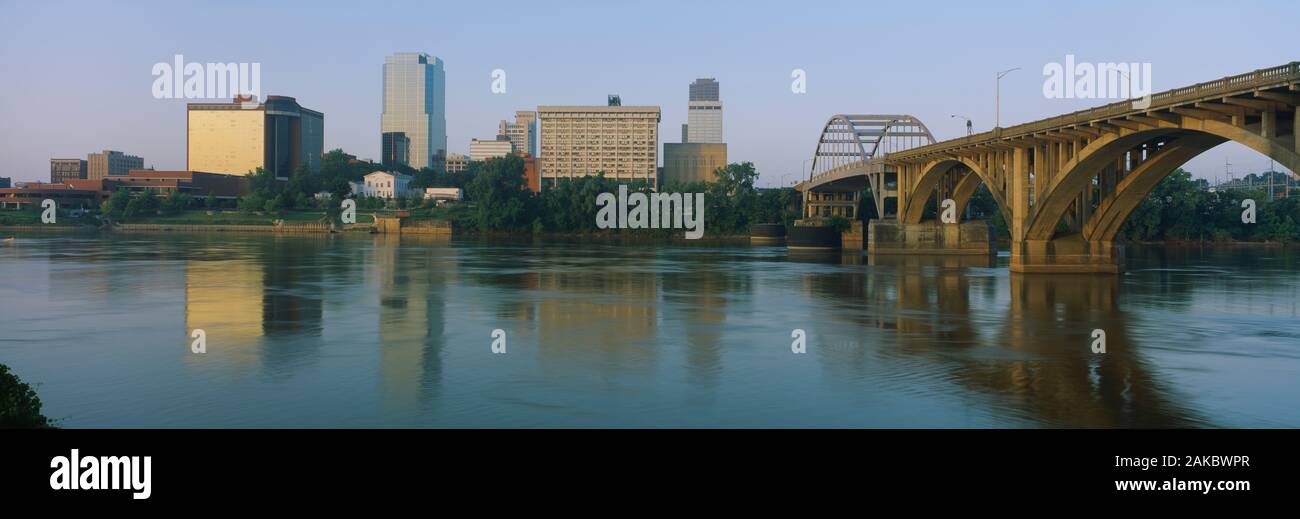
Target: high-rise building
[[6, 182], [415, 100], [490, 149], [704, 112], [277, 135], [109, 163], [396, 149], [620, 141], [522, 133], [692, 162], [63, 170]]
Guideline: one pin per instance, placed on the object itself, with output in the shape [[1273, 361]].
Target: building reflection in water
[[412, 275], [242, 296]]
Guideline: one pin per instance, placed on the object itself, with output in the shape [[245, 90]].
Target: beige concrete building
[[490, 149], [522, 133], [620, 141], [692, 162], [457, 162], [111, 163], [278, 135]]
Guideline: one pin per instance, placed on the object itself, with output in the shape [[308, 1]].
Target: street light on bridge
[[997, 115], [969, 131]]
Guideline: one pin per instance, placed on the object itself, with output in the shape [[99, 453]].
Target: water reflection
[[381, 331]]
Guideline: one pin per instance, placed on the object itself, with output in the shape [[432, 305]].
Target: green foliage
[[839, 223], [19, 405], [1179, 208], [175, 202], [115, 206], [143, 204], [501, 202]]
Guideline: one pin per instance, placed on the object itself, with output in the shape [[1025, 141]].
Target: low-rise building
[[386, 184], [444, 193], [62, 170], [692, 162], [457, 162], [91, 192]]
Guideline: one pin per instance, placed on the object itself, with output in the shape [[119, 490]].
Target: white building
[[385, 184], [483, 150], [443, 193]]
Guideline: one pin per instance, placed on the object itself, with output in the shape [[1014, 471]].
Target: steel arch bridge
[[844, 162]]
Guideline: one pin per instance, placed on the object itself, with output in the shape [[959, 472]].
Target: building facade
[[396, 149], [109, 163], [415, 104], [704, 112], [457, 162], [692, 162], [522, 133], [620, 141], [63, 170], [386, 184], [278, 135], [490, 149]]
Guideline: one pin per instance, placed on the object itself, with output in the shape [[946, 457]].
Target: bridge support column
[[966, 238], [1067, 255]]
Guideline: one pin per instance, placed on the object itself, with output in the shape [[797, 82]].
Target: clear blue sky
[[77, 74]]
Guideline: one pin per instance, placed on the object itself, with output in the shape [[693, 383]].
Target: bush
[[19, 405]]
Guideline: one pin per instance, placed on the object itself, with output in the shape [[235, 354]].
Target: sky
[[77, 75]]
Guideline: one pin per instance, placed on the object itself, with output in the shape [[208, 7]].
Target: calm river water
[[372, 331]]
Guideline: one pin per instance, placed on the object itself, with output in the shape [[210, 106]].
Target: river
[[373, 331]]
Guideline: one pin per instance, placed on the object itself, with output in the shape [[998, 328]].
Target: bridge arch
[[1183, 138], [913, 210]]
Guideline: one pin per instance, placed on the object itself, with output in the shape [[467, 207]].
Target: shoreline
[[424, 228]]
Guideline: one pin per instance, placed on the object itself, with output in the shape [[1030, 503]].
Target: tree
[[501, 202], [115, 206], [175, 202], [19, 405]]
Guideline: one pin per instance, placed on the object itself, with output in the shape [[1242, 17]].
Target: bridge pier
[[966, 238], [1067, 255]]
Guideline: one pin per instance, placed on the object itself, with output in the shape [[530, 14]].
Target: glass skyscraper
[[415, 103]]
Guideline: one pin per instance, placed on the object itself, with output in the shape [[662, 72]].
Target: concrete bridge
[[1064, 185]]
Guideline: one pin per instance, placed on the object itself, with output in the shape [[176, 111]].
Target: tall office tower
[[277, 135], [522, 133], [111, 163], [415, 103], [396, 149], [63, 170], [619, 141], [704, 112]]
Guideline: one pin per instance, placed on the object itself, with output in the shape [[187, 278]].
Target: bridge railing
[[1226, 85]]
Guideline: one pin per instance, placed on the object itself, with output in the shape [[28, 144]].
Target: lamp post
[[969, 131], [997, 116]]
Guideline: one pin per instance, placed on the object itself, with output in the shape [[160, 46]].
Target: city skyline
[[767, 124]]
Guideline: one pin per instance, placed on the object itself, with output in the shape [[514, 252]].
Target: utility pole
[[997, 103]]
